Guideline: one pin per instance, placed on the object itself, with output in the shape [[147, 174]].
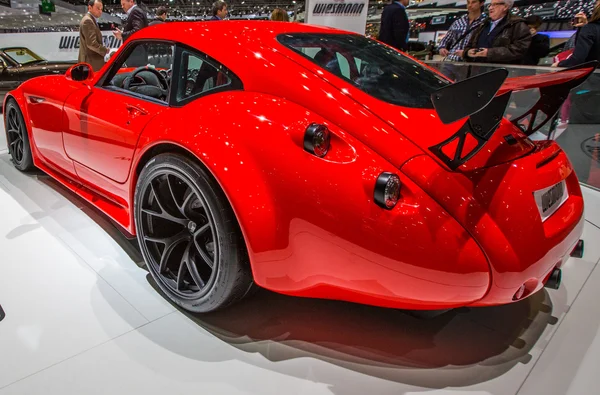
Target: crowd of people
[[586, 39], [497, 36], [92, 50]]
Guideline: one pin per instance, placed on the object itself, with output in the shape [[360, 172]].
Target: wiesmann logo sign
[[340, 9], [72, 42]]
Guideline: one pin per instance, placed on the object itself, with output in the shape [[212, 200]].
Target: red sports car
[[309, 161]]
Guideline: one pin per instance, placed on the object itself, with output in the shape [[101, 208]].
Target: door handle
[[135, 111], [36, 100]]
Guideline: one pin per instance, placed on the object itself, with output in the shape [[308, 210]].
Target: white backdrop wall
[[348, 15], [53, 45]]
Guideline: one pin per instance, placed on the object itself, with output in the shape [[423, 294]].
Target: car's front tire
[[17, 138], [189, 236]]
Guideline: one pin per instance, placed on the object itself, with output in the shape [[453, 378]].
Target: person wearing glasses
[[502, 38]]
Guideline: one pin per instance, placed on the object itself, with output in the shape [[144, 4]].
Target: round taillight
[[387, 190], [317, 139]]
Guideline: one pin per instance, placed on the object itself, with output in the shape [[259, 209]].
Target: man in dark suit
[[91, 50], [136, 21], [540, 43], [394, 25], [219, 9]]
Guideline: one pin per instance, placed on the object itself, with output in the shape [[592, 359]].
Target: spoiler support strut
[[483, 99], [551, 99]]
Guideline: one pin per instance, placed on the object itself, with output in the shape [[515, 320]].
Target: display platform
[[83, 318]]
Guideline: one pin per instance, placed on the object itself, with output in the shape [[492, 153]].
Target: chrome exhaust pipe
[[578, 250], [554, 280]]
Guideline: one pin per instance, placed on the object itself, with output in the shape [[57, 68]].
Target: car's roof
[[217, 37], [236, 44], [227, 30]]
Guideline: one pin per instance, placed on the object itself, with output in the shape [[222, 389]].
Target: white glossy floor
[[83, 318]]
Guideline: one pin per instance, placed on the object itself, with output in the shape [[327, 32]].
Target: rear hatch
[[426, 130], [460, 125]]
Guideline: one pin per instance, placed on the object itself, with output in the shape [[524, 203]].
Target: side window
[[359, 64], [312, 51], [198, 76], [344, 65], [155, 81]]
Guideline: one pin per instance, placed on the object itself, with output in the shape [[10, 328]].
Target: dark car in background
[[18, 64]]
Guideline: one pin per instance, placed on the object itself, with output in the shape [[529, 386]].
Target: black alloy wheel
[[189, 236], [180, 234], [16, 137]]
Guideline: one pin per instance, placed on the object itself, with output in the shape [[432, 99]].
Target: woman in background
[[280, 15]]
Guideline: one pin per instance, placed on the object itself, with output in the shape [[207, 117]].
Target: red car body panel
[[466, 237], [487, 201], [327, 234]]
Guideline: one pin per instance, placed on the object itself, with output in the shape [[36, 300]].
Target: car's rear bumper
[[505, 286], [496, 206]]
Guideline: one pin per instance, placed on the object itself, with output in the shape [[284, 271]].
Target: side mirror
[[2, 67], [81, 72]]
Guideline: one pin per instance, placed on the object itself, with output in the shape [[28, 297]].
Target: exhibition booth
[[254, 207]]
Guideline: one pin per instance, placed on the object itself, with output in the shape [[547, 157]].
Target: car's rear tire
[[17, 138], [189, 236]]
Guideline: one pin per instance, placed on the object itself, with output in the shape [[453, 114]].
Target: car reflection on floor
[[347, 347]]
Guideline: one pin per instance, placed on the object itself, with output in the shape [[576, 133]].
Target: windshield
[[22, 55], [370, 66]]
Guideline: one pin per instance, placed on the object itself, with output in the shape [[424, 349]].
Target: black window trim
[[125, 92], [116, 65], [178, 49], [235, 84]]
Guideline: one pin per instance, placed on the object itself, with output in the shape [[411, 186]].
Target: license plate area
[[548, 200]]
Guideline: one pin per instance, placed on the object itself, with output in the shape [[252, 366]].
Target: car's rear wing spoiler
[[484, 97]]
